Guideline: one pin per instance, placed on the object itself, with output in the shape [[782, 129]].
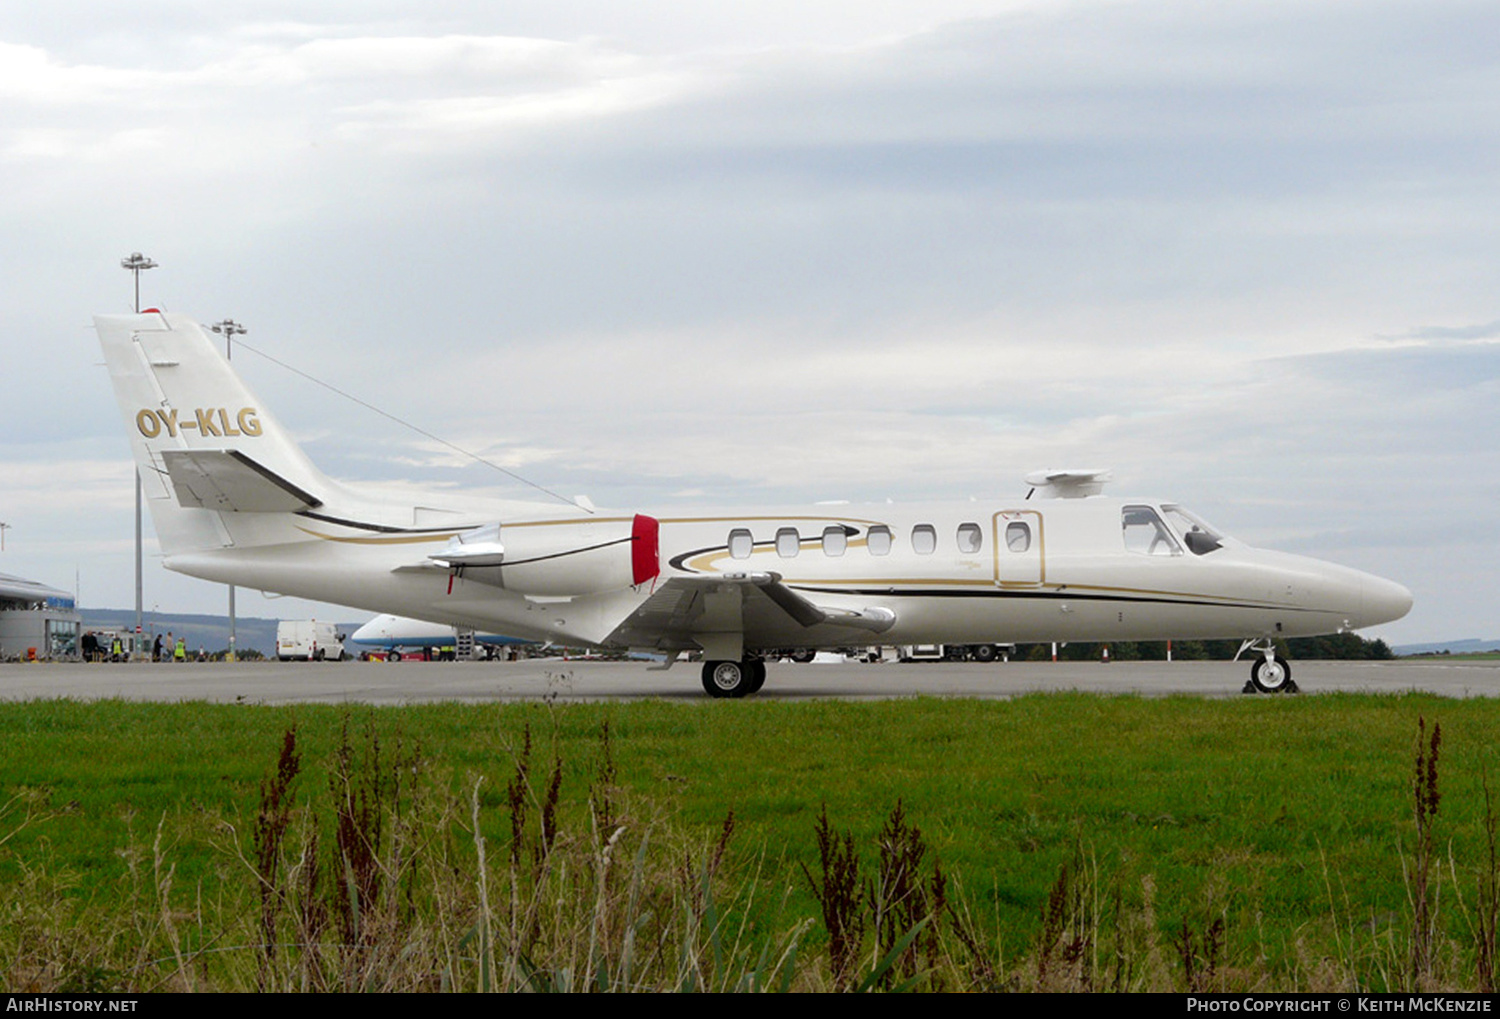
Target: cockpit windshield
[[1145, 534], [1197, 534]]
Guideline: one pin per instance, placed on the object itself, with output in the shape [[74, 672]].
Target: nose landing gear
[[1269, 671]]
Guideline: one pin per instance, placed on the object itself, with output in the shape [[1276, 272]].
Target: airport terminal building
[[36, 616]]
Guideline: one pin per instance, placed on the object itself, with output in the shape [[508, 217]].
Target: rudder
[[201, 438]]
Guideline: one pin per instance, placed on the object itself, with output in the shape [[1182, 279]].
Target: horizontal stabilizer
[[228, 480]]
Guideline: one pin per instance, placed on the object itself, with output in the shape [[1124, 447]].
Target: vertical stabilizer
[[205, 446]]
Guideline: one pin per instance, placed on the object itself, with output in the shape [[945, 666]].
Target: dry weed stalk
[[837, 891], [1489, 899], [1422, 883]]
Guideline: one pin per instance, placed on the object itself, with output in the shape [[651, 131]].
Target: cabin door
[[1020, 548]]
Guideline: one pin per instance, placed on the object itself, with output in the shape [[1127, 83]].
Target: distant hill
[[1452, 647], [208, 632]]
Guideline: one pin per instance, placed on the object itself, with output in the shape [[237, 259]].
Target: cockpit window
[[1145, 533], [1199, 537]]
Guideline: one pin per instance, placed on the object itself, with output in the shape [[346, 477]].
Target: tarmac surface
[[559, 679]]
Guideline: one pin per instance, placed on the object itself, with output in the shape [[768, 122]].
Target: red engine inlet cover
[[645, 548]]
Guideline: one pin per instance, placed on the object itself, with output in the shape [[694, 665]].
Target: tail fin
[[202, 441]]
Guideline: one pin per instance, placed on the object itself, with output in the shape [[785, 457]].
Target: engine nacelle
[[556, 558]]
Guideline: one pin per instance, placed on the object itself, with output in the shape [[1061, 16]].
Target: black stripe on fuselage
[[676, 562], [1056, 595], [560, 555], [383, 528]]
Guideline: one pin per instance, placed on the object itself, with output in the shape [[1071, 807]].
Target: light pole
[[137, 263], [229, 329]]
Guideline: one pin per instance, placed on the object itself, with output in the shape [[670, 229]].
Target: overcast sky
[[672, 254]]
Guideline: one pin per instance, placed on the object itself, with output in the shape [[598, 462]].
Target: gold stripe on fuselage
[[781, 517]]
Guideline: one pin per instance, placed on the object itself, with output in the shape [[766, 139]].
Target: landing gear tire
[[985, 653], [804, 656], [1273, 675], [729, 679], [757, 676]]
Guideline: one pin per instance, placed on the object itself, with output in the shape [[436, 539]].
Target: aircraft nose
[[1383, 600]]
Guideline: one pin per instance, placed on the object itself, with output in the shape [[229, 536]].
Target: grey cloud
[[1483, 331]]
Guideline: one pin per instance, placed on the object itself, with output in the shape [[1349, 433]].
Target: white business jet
[[397, 632], [235, 500]]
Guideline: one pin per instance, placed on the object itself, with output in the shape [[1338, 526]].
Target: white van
[[308, 640]]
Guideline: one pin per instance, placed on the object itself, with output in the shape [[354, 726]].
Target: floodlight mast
[[137, 263], [229, 329]]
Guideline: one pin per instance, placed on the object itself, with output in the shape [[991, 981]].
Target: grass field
[[1059, 841]]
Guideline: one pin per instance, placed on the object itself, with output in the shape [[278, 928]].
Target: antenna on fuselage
[[575, 503]]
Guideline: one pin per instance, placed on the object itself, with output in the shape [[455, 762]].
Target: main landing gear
[[1269, 672], [734, 679]]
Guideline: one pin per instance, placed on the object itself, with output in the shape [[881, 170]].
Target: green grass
[[1286, 818]]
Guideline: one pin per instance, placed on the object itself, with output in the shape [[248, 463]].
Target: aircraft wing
[[226, 479], [689, 613]]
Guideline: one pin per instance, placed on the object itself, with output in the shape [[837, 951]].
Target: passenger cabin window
[[835, 541], [740, 543], [879, 540], [1018, 536], [970, 538], [924, 539], [1145, 533], [788, 543]]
